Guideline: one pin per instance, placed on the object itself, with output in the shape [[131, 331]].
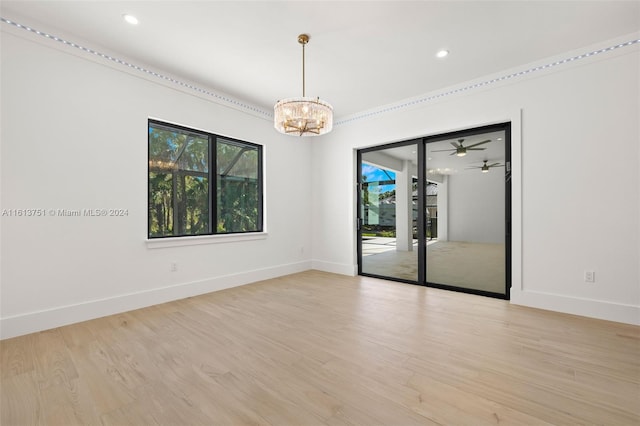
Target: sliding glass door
[[436, 211]]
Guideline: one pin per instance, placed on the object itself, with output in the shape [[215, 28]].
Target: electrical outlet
[[589, 276], [174, 266]]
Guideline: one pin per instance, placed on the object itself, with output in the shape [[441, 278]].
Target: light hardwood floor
[[322, 349]]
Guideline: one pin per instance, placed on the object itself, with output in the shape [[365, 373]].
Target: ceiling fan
[[485, 167], [460, 150]]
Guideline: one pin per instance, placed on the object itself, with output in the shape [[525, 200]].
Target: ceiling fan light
[[485, 169], [461, 153]]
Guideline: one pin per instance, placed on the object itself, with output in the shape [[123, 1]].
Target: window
[[201, 183]]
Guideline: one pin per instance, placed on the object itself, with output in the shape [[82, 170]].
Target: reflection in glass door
[[466, 183], [388, 212]]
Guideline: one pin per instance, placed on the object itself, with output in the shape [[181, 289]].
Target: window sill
[[203, 239]]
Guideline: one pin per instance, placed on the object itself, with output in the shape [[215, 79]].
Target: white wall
[[74, 136], [576, 184], [476, 206]]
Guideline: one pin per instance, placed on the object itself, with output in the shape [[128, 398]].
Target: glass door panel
[[465, 194], [388, 212]]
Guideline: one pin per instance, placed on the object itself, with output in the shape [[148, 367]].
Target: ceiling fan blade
[[496, 165], [455, 145], [454, 152], [479, 143], [442, 150], [476, 149]]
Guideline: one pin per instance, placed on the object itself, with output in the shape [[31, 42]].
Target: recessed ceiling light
[[130, 19], [442, 53]]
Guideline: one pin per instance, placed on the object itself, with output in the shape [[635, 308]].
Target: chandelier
[[303, 116]]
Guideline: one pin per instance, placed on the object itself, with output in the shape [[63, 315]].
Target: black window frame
[[212, 176]]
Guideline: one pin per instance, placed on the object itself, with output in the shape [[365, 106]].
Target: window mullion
[[174, 200], [213, 184]]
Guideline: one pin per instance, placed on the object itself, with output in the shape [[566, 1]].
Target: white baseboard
[[56, 317], [63, 315], [336, 268], [610, 311]]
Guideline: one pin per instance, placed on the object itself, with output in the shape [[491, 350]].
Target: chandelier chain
[[303, 85]]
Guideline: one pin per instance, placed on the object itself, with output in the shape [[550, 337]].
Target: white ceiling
[[362, 54]]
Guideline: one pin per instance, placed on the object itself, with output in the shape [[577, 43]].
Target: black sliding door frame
[[421, 222]]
